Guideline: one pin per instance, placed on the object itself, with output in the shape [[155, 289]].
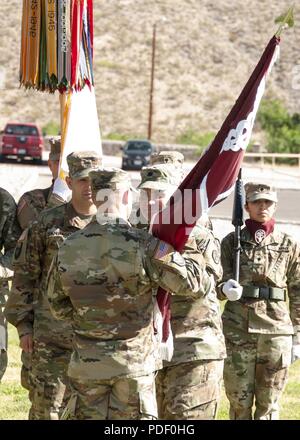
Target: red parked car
[[22, 141]]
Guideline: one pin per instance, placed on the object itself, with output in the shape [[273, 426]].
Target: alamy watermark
[[184, 207]]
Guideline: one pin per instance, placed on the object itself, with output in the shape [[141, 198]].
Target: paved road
[[288, 209], [18, 178]]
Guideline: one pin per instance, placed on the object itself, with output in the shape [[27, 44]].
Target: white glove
[[233, 290], [295, 352]]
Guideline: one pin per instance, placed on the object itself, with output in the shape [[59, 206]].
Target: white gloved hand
[[233, 290], [295, 352]]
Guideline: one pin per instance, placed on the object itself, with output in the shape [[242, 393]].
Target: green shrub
[[51, 129], [122, 137], [282, 129], [191, 137]]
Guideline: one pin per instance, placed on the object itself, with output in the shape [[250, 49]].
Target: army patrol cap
[[161, 177], [167, 157], [55, 147], [82, 162], [258, 191], [110, 178]]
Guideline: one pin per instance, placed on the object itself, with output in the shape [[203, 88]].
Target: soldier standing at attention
[[30, 205], [9, 234], [28, 309], [101, 283], [262, 332], [33, 202], [188, 387]]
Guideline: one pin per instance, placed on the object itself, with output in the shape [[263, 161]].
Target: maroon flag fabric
[[213, 177]]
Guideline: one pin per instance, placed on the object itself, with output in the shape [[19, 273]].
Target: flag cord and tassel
[[286, 20]]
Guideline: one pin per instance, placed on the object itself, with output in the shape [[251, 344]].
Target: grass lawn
[[14, 402]]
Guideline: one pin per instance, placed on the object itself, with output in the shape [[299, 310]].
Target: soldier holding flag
[[188, 387], [108, 300], [262, 334]]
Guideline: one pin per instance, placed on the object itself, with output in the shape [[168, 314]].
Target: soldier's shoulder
[[34, 196], [128, 232], [283, 237], [125, 230], [200, 232], [48, 215], [229, 237], [6, 197]]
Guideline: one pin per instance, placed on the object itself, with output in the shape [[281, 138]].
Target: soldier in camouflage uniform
[[32, 203], [174, 158], [9, 234], [258, 325], [28, 308], [103, 286], [188, 387]]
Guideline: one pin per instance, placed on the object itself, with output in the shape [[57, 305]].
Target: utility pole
[[152, 83]]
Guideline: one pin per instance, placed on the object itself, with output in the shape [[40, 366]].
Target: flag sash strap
[[33, 41], [57, 45], [23, 43], [64, 44], [51, 35], [76, 33], [42, 77]]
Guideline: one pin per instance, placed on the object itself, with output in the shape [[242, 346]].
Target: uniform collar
[[112, 219], [273, 238], [73, 218]]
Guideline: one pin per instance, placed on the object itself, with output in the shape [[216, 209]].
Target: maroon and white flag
[[213, 177]]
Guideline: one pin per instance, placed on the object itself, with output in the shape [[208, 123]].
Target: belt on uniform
[[272, 293]]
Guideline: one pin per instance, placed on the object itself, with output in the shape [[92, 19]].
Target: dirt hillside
[[205, 52]]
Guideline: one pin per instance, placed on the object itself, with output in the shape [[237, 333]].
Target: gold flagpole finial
[[285, 20]]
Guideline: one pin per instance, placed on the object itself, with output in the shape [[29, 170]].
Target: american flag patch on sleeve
[[162, 250]]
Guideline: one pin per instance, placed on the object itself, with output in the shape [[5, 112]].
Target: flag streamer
[[57, 45]]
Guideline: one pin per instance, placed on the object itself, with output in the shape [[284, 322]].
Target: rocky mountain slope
[[205, 52]]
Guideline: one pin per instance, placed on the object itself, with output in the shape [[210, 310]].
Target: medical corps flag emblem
[[213, 177]]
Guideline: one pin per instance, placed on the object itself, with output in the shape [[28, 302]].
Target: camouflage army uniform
[[188, 387], [30, 205], [173, 158], [28, 307], [108, 300], [258, 330], [9, 234]]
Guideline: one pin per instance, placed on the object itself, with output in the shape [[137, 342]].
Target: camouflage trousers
[[3, 362], [51, 390], [256, 369], [27, 380], [189, 391], [115, 399], [3, 344]]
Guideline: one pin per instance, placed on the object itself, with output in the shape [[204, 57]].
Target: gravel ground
[[17, 183]]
